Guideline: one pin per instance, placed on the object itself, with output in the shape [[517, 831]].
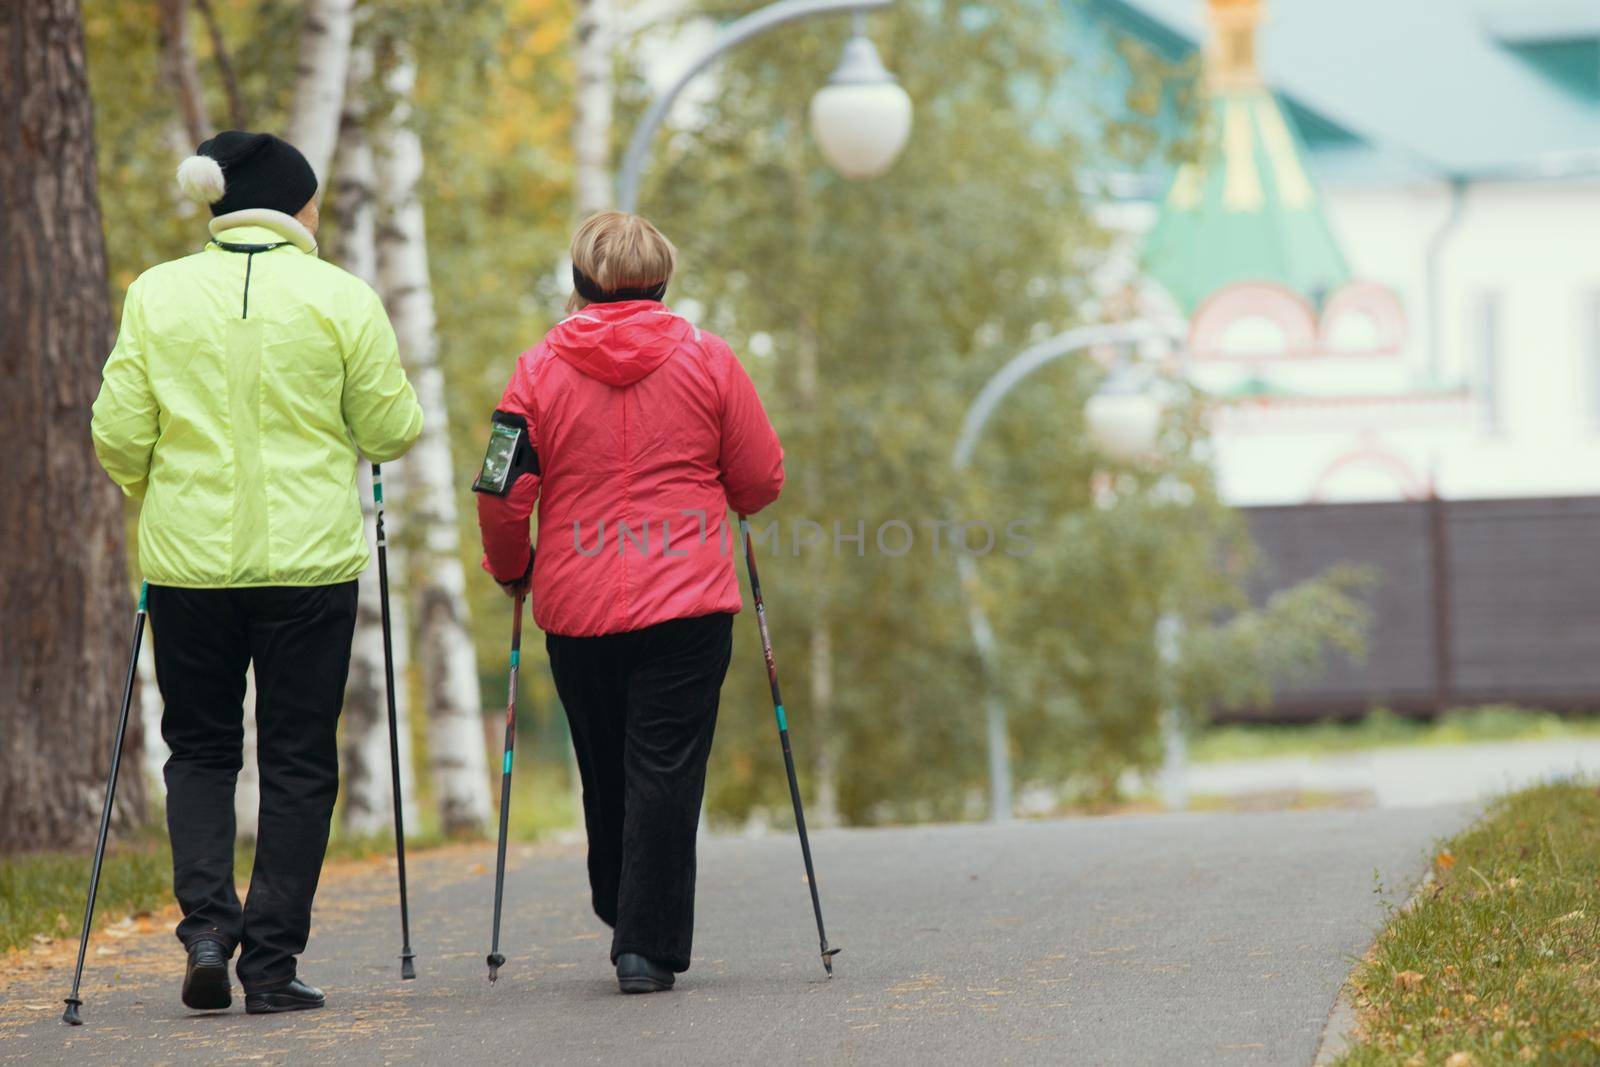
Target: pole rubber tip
[[408, 970], [495, 961], [827, 959], [71, 1016]]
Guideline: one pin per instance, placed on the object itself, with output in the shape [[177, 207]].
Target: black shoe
[[296, 996], [205, 980], [635, 974]]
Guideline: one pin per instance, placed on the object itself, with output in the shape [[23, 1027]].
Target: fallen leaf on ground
[[1408, 981], [1459, 1059], [1445, 860]]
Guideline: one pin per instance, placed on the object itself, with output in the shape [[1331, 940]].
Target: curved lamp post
[[1122, 419], [861, 118]]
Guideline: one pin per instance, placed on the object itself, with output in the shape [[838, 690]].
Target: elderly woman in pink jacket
[[633, 433]]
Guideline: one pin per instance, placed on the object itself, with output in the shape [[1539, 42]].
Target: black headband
[[591, 292]]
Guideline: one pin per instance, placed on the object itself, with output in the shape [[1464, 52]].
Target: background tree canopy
[[869, 315]]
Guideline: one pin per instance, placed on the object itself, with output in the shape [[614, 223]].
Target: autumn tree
[[64, 632]]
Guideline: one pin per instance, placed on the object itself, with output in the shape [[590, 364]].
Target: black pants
[[643, 706], [205, 639]]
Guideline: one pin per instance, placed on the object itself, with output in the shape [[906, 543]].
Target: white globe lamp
[[1123, 423], [862, 117]]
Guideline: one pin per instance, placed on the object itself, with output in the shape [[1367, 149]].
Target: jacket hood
[[618, 344]]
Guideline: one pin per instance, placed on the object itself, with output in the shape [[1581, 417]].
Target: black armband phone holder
[[508, 457]]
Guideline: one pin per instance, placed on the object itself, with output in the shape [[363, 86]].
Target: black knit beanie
[[258, 170]]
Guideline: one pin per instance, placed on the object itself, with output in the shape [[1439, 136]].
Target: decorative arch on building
[[1373, 458], [1362, 319], [1251, 322]]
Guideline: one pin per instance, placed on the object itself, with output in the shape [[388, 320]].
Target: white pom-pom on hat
[[200, 179]]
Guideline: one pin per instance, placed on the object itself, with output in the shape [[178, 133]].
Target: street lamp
[[861, 118], [1122, 420]]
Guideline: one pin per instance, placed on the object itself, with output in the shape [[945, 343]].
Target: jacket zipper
[[249, 259]]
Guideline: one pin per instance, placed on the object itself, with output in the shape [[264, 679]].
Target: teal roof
[[1247, 211], [1496, 89]]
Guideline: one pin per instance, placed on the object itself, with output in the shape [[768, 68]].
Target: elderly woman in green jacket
[[244, 382]]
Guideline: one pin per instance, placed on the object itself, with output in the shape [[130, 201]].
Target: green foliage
[[1498, 961], [1234, 664], [1158, 89]]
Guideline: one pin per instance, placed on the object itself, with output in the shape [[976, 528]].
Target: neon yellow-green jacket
[[235, 410]]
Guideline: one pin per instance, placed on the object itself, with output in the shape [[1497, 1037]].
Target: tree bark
[[180, 72], [368, 789], [319, 95], [591, 120], [63, 580], [449, 663]]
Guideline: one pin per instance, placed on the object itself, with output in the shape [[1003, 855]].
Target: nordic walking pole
[[74, 1002], [495, 960], [783, 735], [407, 968]]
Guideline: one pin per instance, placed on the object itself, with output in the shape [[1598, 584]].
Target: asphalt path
[[1165, 939]]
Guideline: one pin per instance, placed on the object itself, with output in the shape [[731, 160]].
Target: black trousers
[[643, 707], [205, 639]]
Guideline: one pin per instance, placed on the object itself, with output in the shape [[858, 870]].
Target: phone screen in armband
[[497, 461]]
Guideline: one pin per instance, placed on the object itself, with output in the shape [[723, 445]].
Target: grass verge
[[1384, 728], [42, 893], [1498, 960]]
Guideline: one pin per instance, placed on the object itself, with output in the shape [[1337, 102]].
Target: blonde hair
[[621, 251]]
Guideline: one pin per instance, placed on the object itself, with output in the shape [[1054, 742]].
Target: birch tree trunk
[[821, 731], [591, 120], [63, 577], [155, 748], [314, 120], [247, 789], [368, 787], [180, 71], [355, 202], [313, 128], [456, 757]]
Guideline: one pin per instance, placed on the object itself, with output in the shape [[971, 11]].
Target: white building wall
[[1534, 247]]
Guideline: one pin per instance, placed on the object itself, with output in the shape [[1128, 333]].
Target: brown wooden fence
[[1476, 601]]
